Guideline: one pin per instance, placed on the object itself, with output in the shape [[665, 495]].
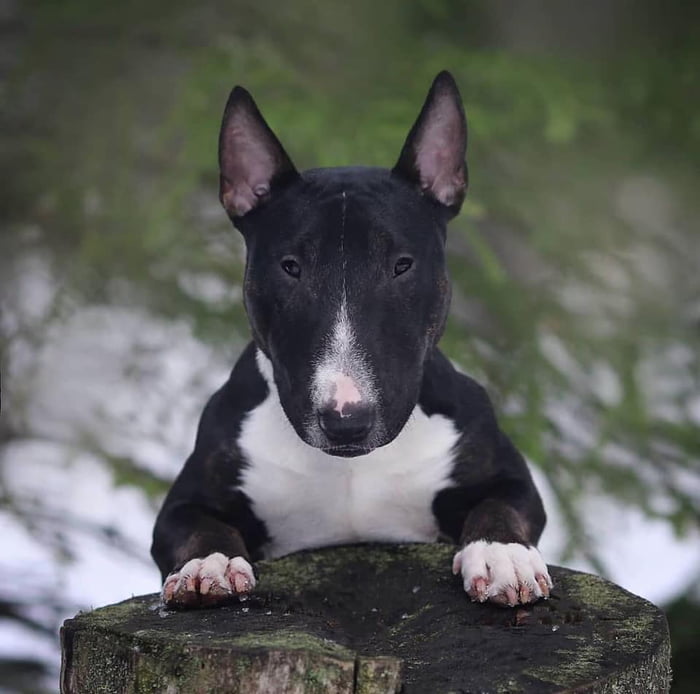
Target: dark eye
[[402, 265], [291, 267]]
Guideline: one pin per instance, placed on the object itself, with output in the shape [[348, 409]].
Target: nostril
[[350, 427]]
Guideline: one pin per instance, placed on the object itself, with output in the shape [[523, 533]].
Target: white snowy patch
[[641, 554], [102, 380]]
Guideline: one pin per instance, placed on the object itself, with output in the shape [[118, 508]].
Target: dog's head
[[346, 287]]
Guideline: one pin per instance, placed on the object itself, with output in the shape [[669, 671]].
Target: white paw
[[208, 581], [507, 574]]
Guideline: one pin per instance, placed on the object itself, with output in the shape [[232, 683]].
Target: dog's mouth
[[347, 450]]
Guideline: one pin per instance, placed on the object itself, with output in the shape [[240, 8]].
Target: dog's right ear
[[252, 162]]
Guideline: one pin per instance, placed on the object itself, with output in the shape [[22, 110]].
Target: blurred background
[[575, 264]]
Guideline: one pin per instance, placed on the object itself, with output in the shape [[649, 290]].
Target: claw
[[479, 591], [524, 593], [508, 597], [544, 585], [169, 587], [191, 582], [241, 583]]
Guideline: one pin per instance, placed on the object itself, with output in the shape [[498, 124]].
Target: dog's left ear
[[252, 161], [433, 156]]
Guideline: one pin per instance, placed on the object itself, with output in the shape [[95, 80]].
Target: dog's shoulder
[[244, 390], [216, 462], [483, 451], [449, 392]]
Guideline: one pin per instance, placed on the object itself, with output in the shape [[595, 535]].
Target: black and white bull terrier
[[342, 422]]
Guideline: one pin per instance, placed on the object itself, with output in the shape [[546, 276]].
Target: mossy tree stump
[[373, 618]]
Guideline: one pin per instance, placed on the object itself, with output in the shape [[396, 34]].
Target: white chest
[[309, 499]]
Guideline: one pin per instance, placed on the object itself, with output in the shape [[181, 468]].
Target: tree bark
[[370, 619]]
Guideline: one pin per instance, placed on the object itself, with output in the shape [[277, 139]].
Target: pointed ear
[[433, 154], [251, 159]]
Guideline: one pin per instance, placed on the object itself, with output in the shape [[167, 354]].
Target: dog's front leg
[[502, 522], [204, 561]]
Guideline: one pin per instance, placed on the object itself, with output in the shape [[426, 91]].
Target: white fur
[[501, 566], [264, 367], [308, 498], [342, 375]]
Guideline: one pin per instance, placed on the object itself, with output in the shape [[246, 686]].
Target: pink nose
[[345, 393]]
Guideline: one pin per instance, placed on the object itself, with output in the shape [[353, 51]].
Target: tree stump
[[370, 619]]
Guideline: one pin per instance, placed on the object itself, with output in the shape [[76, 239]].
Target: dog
[[342, 421]]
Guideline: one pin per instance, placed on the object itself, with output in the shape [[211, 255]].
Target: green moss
[[435, 557], [377, 675], [407, 622], [654, 669], [118, 613], [311, 570], [292, 639], [294, 573], [509, 686], [629, 630], [583, 663], [597, 592], [318, 665], [635, 632]]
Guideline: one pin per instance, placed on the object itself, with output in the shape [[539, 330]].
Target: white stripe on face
[[342, 377]]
